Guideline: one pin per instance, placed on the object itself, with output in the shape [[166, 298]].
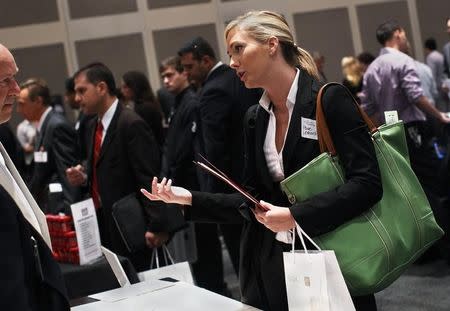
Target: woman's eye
[[237, 48]]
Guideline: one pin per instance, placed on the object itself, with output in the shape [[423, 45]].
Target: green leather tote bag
[[375, 248]]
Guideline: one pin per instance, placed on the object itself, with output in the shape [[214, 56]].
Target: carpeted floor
[[421, 288]]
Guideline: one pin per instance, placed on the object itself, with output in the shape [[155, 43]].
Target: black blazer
[[129, 158], [261, 273], [22, 287], [59, 139], [180, 147], [224, 101]]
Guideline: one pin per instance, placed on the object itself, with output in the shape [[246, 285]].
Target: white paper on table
[[116, 267], [86, 227], [132, 290]]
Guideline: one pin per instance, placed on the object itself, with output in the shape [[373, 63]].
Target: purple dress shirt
[[391, 83]]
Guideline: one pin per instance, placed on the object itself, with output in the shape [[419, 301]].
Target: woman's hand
[[276, 218], [164, 191]]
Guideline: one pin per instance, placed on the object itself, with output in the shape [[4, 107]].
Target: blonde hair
[[351, 70], [262, 25]]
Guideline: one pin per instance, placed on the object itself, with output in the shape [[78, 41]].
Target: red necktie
[[97, 147]]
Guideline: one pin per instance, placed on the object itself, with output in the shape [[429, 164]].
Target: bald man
[[30, 279]]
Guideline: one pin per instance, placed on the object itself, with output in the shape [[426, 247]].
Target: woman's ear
[[273, 44]]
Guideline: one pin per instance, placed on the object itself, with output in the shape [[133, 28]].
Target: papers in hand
[[211, 169]]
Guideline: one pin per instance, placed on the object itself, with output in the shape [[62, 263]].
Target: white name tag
[[309, 129], [40, 157], [55, 187], [391, 116]]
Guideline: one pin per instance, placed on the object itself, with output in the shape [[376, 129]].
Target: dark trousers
[[208, 269]]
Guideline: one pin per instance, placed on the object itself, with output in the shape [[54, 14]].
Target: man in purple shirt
[[391, 83]]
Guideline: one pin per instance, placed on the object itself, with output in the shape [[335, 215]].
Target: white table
[[162, 296]]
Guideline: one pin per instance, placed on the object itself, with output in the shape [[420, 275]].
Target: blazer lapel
[[304, 107], [262, 120], [110, 133]]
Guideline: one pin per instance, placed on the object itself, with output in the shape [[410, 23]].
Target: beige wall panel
[[120, 54], [47, 62], [327, 32], [25, 12], [89, 8], [156, 4], [370, 16], [432, 17], [168, 42]]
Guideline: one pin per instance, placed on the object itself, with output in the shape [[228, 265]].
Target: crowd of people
[[245, 118]]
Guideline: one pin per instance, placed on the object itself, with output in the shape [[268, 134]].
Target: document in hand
[[211, 169]]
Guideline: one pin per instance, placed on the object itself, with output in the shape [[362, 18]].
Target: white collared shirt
[[274, 159], [41, 120], [107, 117], [219, 63]]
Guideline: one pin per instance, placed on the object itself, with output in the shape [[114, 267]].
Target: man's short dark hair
[[199, 47], [431, 44], [37, 88], [98, 72], [173, 61], [70, 85], [386, 30]]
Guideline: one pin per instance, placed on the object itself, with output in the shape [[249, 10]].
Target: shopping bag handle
[[323, 132], [302, 233], [154, 261]]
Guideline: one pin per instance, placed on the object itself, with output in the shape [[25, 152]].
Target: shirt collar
[[292, 95], [387, 50], [107, 117], [219, 63], [42, 119]]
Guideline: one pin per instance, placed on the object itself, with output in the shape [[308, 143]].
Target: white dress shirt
[[107, 117], [274, 159]]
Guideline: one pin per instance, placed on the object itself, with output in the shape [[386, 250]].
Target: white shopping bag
[[314, 281], [179, 271]]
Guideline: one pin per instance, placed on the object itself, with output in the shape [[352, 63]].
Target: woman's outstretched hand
[[276, 218], [164, 191]]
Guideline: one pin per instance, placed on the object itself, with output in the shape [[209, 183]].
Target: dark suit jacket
[[153, 117], [129, 158], [59, 139], [180, 145], [224, 101], [261, 273], [22, 288]]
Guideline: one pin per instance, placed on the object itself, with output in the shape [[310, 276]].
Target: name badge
[[391, 116], [40, 157], [309, 129], [55, 187]]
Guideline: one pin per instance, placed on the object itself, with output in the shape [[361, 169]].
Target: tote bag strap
[[323, 132], [302, 233]]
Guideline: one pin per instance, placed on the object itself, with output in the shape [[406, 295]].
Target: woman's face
[[127, 93], [248, 57]]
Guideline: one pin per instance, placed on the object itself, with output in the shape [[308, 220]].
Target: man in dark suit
[[30, 278], [81, 118], [123, 157], [223, 103], [56, 148]]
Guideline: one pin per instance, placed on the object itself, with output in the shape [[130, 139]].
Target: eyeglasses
[[6, 82]]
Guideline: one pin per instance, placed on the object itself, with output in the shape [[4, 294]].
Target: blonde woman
[[352, 71], [264, 54]]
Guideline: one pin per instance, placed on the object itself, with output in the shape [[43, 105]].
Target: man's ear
[[102, 88]]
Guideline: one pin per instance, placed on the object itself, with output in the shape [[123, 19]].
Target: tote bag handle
[[323, 132], [302, 233]]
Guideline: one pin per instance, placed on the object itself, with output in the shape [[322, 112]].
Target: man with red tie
[[122, 158]]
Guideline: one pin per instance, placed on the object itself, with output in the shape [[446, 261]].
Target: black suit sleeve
[[362, 189], [144, 157]]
